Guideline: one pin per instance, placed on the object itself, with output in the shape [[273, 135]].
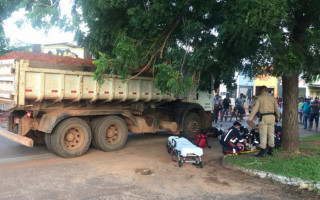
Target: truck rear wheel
[[191, 126], [47, 139], [71, 138], [93, 125], [110, 133]]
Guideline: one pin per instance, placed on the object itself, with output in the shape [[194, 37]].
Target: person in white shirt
[[216, 108]]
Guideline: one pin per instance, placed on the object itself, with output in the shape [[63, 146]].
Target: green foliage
[[290, 166], [41, 13], [279, 33], [310, 138], [122, 61], [305, 166], [135, 36], [212, 39], [170, 80]]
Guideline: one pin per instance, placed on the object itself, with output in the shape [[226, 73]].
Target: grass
[[305, 165], [310, 138]]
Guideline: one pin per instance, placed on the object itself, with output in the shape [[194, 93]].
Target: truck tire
[[47, 139], [71, 138], [93, 125], [191, 126], [111, 133]]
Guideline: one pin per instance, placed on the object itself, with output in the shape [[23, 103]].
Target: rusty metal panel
[[8, 85], [58, 83], [16, 138]]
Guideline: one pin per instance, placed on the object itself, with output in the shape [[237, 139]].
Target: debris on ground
[[43, 57], [144, 171]]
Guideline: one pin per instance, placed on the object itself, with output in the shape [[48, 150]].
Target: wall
[[268, 81], [245, 81], [53, 49], [313, 92]]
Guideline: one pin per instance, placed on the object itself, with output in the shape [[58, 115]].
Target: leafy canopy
[[145, 37], [172, 40], [195, 40], [283, 34]]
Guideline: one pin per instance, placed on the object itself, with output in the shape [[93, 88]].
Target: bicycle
[[236, 113]]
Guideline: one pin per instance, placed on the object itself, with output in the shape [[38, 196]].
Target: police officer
[[269, 113]]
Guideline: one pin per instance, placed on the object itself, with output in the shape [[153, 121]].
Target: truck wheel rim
[[112, 133], [193, 126], [74, 138]]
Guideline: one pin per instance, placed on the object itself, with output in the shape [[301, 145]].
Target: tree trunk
[[290, 137]]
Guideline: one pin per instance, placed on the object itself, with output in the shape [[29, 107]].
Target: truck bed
[[24, 81]]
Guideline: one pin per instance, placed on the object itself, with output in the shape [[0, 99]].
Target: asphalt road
[[14, 152], [35, 173], [11, 152]]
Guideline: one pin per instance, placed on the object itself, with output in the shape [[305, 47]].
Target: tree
[[192, 41], [281, 38], [42, 14], [172, 38], [6, 8]]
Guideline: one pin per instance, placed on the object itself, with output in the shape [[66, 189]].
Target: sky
[[27, 34]]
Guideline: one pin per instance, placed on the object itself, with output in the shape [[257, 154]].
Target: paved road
[[35, 173], [113, 175], [13, 152]]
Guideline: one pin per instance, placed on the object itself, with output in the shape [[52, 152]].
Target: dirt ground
[[141, 170]]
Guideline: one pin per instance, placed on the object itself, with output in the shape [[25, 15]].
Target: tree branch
[[167, 37], [52, 4], [146, 66]]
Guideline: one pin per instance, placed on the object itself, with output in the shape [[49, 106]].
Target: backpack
[[277, 135], [202, 141]]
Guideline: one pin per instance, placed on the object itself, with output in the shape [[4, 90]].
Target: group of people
[[223, 107], [309, 112], [268, 109]]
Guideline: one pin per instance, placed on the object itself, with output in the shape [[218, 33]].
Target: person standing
[[269, 114], [306, 112], [300, 111], [280, 104], [251, 105], [314, 115], [216, 108], [225, 107], [240, 105]]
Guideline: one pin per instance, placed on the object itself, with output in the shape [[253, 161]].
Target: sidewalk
[[227, 124]]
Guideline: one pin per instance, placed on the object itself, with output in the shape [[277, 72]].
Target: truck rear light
[[16, 120], [29, 114]]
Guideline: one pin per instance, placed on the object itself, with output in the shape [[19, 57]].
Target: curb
[[282, 179]]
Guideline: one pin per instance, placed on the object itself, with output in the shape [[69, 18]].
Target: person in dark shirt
[[314, 115], [225, 107], [231, 140]]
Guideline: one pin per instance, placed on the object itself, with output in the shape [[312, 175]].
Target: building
[[313, 89], [270, 82], [245, 85], [63, 49], [302, 88]]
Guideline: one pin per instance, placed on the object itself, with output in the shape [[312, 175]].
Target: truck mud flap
[[28, 142]]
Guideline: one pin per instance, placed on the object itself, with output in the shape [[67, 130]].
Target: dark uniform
[[230, 141]]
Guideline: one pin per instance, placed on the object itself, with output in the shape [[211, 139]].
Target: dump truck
[[64, 108]]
